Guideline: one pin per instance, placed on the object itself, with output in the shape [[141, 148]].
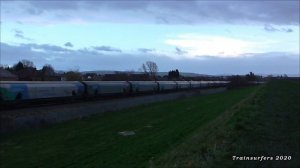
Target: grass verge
[[95, 142], [264, 124]]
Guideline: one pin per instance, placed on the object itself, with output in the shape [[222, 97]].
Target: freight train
[[18, 91]]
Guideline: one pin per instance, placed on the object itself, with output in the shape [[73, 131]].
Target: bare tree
[[46, 72], [27, 64], [151, 69], [4, 66], [25, 70], [73, 76], [145, 69]]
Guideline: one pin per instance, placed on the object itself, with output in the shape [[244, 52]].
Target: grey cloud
[[19, 34], [34, 11], [146, 50], [179, 51], [288, 30], [18, 31], [270, 28], [161, 20], [175, 12], [119, 5], [86, 51], [19, 22], [107, 48], [55, 5], [68, 44], [264, 63], [46, 47], [11, 54]]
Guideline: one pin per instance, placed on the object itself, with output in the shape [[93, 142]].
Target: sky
[[206, 37]]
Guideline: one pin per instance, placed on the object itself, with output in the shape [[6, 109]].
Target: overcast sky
[[207, 37]]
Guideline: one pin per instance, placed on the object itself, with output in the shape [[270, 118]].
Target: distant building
[[7, 76]]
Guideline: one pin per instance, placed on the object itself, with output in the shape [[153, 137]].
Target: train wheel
[[124, 92], [19, 96]]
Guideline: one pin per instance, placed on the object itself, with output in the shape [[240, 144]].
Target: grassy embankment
[[266, 124], [193, 132]]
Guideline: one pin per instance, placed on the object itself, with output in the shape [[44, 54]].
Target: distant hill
[[185, 74], [103, 72]]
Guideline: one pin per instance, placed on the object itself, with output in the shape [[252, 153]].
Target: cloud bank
[[160, 12], [270, 28], [107, 48], [87, 59]]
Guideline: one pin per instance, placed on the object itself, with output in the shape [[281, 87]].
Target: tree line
[[25, 70]]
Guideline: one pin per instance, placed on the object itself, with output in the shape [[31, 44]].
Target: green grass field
[[200, 131], [267, 123]]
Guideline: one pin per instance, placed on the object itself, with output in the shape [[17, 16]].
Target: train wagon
[[223, 83], [210, 83], [165, 86], [204, 84], [28, 90], [144, 86], [195, 84], [183, 85], [19, 91], [96, 88], [214, 83]]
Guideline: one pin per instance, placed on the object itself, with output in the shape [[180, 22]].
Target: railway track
[[45, 114], [24, 104]]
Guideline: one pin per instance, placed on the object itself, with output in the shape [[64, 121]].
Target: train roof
[[105, 81], [37, 82]]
